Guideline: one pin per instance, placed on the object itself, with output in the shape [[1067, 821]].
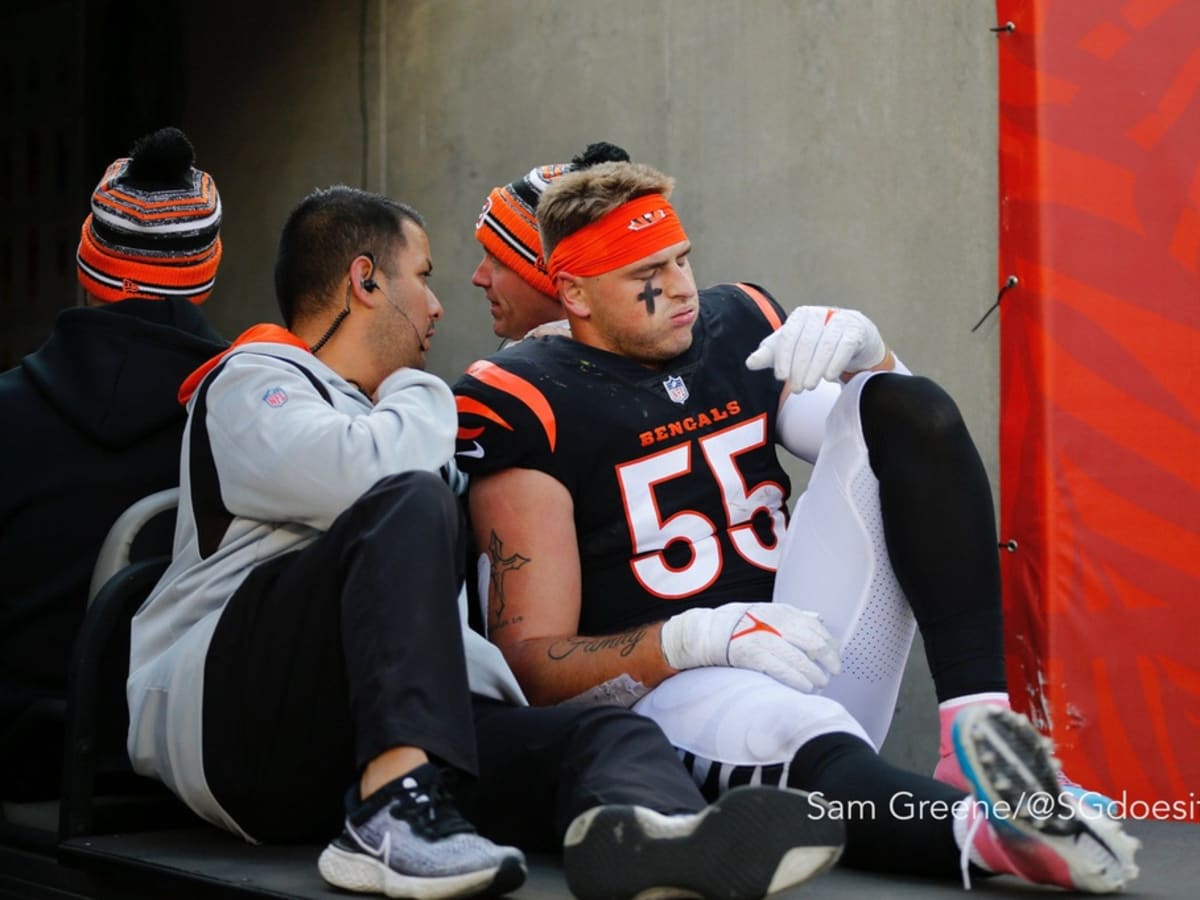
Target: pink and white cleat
[[950, 772], [1022, 822]]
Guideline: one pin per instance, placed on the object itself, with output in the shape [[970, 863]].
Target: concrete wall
[[834, 151], [837, 152]]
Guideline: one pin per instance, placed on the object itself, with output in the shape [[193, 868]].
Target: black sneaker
[[408, 840], [750, 843]]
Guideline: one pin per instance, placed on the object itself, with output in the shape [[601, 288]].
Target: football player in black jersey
[[639, 546]]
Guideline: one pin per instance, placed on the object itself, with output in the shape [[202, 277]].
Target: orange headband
[[623, 235]]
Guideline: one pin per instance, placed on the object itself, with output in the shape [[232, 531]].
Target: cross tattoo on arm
[[649, 292], [500, 565]]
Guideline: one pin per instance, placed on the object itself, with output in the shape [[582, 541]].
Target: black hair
[[323, 234]]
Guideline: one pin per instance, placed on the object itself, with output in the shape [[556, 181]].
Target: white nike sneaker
[[409, 840]]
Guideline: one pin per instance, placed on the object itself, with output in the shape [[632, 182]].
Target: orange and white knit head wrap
[[621, 236], [507, 227], [154, 228]]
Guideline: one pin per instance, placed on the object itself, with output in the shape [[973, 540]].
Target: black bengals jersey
[[679, 497]]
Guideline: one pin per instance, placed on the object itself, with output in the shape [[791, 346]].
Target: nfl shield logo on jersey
[[275, 397], [676, 389]]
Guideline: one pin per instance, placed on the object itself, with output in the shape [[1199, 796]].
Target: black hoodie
[[89, 424]]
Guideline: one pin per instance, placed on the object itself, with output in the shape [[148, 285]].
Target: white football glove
[[818, 342], [789, 644]]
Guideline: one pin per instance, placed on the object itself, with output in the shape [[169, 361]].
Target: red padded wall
[[1100, 385]]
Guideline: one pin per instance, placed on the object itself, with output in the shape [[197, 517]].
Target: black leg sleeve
[[939, 524], [328, 656], [896, 821]]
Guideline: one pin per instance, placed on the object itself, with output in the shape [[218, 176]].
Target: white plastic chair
[[115, 552]]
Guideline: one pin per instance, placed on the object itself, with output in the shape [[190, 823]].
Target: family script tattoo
[[625, 643]]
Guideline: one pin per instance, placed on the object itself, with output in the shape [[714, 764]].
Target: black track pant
[[328, 656]]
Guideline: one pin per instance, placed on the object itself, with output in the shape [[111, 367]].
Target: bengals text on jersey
[[680, 500]]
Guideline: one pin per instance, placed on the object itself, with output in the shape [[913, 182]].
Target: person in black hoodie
[[92, 423]]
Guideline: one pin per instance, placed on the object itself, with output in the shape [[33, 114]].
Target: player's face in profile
[[516, 306], [646, 310]]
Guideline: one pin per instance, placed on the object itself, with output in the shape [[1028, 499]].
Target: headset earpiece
[[369, 284]]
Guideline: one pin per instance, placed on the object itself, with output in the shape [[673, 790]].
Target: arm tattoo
[[501, 565], [624, 643]]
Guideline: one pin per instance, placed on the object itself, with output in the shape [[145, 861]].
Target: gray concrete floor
[[1169, 861]]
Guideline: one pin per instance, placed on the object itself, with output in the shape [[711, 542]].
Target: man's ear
[[573, 295], [362, 285]]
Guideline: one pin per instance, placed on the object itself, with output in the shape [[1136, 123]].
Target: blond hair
[[580, 198]]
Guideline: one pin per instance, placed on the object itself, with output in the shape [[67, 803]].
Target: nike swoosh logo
[[382, 853], [475, 452], [758, 626]]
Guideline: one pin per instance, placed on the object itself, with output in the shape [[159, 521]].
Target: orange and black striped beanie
[[507, 227], [154, 228]]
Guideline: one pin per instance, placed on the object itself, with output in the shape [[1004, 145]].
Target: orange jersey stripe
[[491, 374], [763, 304], [471, 405]]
